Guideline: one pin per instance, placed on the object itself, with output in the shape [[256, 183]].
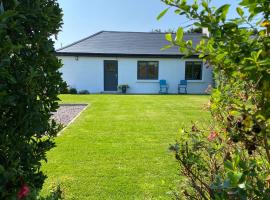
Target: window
[[147, 70], [193, 70]]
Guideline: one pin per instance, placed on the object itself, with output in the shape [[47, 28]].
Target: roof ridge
[[95, 34], [80, 40], [136, 32], [148, 32]]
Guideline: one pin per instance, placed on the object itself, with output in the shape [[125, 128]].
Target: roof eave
[[123, 55]]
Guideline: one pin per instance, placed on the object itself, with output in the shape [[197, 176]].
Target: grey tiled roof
[[125, 43]]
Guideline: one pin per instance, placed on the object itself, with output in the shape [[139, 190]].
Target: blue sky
[[85, 17]]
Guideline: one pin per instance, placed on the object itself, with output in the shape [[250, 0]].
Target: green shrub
[[84, 92], [29, 85], [231, 158], [64, 88], [73, 91]]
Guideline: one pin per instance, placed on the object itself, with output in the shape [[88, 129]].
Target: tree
[[231, 158], [158, 30], [194, 30], [29, 85]]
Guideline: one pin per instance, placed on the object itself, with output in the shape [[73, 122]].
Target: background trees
[[230, 159], [29, 85]]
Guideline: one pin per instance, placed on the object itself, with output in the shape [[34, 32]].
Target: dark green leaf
[[240, 11]]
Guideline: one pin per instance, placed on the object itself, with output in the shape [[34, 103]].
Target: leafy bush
[[29, 85], [64, 88], [73, 91], [84, 92], [231, 158]]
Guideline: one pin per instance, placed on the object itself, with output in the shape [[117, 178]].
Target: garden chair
[[163, 87], [182, 85]]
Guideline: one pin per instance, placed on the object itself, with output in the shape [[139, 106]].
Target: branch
[[266, 146], [208, 189]]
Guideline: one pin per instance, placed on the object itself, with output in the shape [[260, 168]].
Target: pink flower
[[212, 135], [23, 192]]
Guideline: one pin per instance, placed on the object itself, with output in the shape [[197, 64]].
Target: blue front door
[[110, 75]]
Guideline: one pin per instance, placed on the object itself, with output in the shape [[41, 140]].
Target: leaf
[[177, 11], [7, 14], [240, 11], [223, 8], [228, 165], [234, 113], [182, 49], [189, 43], [197, 24], [168, 37], [179, 34], [224, 11], [221, 56], [162, 13], [166, 47], [259, 53], [204, 4], [195, 6]]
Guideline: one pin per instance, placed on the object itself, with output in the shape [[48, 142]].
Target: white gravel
[[67, 112]]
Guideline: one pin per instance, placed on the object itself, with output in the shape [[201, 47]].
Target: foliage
[[29, 85], [73, 91], [158, 30], [232, 162], [64, 88], [123, 85], [84, 92], [56, 194], [194, 30], [123, 88]]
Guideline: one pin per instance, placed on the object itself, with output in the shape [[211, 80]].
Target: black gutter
[[124, 55]]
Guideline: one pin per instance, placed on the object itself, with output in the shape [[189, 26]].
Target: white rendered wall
[[88, 73]]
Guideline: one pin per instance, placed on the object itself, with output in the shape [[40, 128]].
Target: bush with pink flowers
[[231, 158]]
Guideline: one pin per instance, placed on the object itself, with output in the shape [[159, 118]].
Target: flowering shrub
[[23, 192], [29, 85], [231, 158]]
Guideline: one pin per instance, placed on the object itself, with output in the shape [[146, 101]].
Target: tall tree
[[29, 85]]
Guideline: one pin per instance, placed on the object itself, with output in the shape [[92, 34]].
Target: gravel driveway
[[66, 113]]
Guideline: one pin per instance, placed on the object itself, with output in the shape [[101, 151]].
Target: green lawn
[[118, 147]]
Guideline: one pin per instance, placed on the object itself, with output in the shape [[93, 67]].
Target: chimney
[[205, 31]]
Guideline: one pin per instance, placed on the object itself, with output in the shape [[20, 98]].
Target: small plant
[[73, 91], [56, 194], [84, 92], [123, 88]]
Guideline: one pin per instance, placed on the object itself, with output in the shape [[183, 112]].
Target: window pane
[[142, 70], [152, 70], [193, 70], [197, 71], [147, 70], [188, 74]]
